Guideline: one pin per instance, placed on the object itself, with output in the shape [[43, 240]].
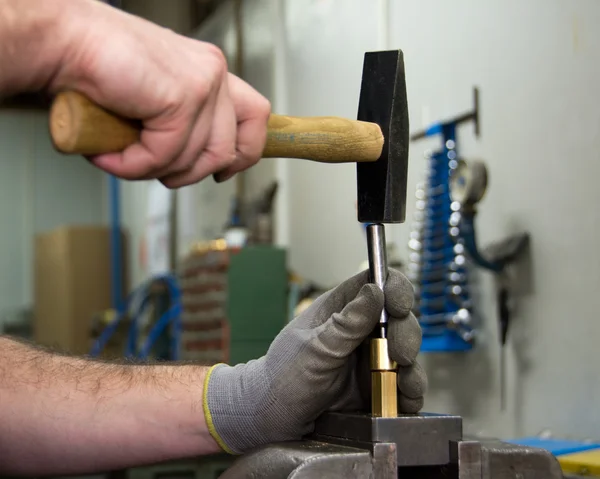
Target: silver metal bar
[[376, 250]]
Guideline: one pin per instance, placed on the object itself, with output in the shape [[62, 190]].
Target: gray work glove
[[315, 365]]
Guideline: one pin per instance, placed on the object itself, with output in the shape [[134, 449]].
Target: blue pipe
[[115, 244], [470, 241], [170, 319], [115, 234]]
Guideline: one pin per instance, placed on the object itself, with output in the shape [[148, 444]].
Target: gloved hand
[[315, 365]]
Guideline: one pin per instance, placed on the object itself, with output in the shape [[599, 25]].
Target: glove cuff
[[208, 417], [232, 401]]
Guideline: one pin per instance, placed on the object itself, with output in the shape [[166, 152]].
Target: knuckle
[[200, 87], [212, 69], [171, 105], [263, 108], [219, 60]]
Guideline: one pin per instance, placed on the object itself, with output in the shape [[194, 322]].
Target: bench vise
[[422, 446]]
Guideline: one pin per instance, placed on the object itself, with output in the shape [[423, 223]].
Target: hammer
[[80, 126], [381, 198]]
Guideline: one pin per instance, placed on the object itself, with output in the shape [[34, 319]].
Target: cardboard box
[[72, 283]]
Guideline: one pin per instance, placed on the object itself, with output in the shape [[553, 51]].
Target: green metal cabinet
[[256, 300]]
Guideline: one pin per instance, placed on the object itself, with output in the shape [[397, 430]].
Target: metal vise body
[[422, 446]]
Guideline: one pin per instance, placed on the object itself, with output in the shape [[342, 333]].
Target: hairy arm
[[33, 44], [67, 415]]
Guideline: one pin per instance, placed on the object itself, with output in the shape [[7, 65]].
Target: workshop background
[[536, 65]]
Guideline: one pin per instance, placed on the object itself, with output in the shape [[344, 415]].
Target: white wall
[[326, 43], [537, 64], [39, 190]]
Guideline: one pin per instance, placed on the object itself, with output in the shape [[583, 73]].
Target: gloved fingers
[[335, 299], [350, 398], [343, 332], [409, 405], [412, 381], [399, 294], [404, 339]]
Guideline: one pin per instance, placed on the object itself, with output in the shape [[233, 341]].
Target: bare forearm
[[63, 415], [34, 40]]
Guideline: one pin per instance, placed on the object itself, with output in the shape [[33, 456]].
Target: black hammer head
[[382, 184]]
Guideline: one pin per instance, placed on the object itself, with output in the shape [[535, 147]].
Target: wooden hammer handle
[[79, 126]]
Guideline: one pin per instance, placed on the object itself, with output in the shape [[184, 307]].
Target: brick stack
[[234, 301], [204, 283]]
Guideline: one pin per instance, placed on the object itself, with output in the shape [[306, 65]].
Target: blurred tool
[[79, 126], [381, 194], [262, 215], [302, 293], [236, 230], [134, 310], [468, 186], [251, 220], [438, 265]]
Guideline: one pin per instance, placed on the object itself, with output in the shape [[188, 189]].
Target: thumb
[[335, 299], [343, 332]]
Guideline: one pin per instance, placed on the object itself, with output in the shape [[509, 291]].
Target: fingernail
[[222, 177]]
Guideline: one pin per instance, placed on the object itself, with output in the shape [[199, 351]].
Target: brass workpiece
[[384, 395], [380, 358]]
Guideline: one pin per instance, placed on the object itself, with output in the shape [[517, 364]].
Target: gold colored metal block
[[384, 394], [380, 359]]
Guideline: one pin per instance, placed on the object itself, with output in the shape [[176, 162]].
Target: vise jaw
[[422, 446]]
